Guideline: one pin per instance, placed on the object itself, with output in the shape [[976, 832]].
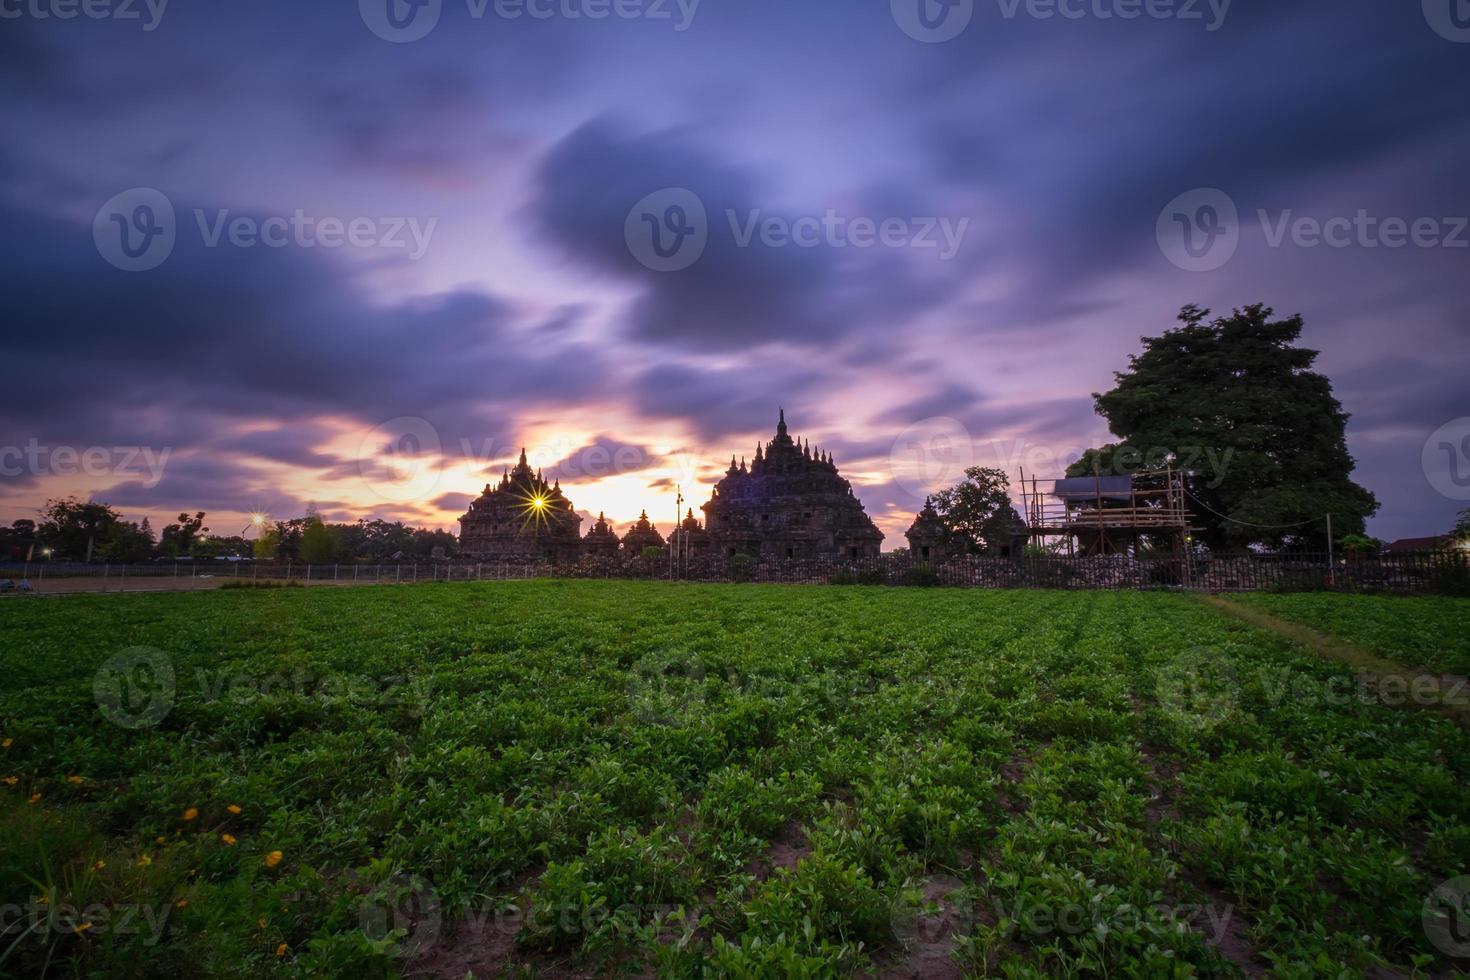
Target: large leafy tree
[[1235, 403], [318, 541], [977, 512], [178, 539], [90, 530], [74, 528]]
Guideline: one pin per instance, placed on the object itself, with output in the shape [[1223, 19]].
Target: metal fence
[[1437, 572]]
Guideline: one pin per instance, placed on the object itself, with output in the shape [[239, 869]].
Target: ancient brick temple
[[601, 540], [641, 534], [927, 538], [523, 516], [689, 539], [790, 503]]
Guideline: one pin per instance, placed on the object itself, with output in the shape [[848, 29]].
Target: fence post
[[335, 568], [105, 567], [308, 571], [398, 572]]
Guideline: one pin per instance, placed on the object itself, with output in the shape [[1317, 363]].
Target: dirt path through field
[[1420, 688]]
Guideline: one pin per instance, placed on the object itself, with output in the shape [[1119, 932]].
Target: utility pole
[[673, 543], [1331, 563]]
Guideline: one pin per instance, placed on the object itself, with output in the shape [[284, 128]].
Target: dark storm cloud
[[453, 501], [738, 294], [1264, 109], [718, 403], [293, 445], [951, 400], [260, 332], [208, 483], [602, 457]]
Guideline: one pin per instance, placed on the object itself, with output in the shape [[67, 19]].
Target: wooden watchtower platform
[[1100, 515]]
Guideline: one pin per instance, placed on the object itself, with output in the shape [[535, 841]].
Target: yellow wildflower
[[83, 927], [229, 839], [6, 744], [11, 780], [233, 808], [281, 950], [35, 798], [182, 903], [75, 780], [191, 813], [98, 865], [273, 858], [144, 861]]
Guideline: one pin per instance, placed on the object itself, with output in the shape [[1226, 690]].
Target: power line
[[1233, 520]]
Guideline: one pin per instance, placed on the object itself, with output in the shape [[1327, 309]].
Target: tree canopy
[[1235, 403], [977, 512]]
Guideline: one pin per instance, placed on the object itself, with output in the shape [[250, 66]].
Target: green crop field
[[1424, 631], [564, 779]]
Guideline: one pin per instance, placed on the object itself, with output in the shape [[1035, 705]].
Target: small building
[[928, 539], [601, 540], [689, 540], [1408, 546], [641, 534]]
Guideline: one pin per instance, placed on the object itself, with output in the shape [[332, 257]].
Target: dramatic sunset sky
[[274, 377]]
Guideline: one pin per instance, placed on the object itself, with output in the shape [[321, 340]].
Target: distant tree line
[[76, 530]]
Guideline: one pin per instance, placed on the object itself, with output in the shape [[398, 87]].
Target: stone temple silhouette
[[523, 516], [789, 503]]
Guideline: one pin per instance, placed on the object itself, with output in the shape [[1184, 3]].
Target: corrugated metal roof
[[1081, 488]]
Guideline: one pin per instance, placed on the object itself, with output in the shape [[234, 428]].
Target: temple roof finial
[[781, 424]]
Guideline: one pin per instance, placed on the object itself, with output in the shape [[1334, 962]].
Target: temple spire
[[781, 424]]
